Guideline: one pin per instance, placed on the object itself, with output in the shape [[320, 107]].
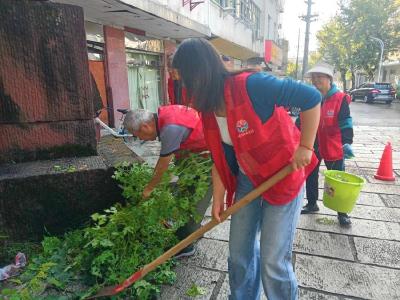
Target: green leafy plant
[[195, 291], [120, 240]]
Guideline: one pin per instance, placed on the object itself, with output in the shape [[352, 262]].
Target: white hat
[[323, 68]]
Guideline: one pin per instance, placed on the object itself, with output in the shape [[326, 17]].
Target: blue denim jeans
[[260, 247]]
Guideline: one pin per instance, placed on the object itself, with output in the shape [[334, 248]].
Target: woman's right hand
[[217, 208]]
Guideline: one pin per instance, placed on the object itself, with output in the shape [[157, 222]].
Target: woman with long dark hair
[[251, 137]]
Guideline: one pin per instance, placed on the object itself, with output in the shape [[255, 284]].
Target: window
[[383, 86], [246, 11], [144, 80]]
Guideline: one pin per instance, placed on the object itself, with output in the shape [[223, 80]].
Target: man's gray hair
[[135, 118]]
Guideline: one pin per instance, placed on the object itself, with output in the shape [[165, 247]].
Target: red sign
[[273, 54]]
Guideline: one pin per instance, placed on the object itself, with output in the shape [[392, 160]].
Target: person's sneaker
[[188, 251], [344, 219], [307, 209]]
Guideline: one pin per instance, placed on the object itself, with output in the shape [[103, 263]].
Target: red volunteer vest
[[187, 117], [171, 90], [172, 97], [261, 149], [329, 134]]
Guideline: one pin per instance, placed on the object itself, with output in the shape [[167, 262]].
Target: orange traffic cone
[[385, 171]]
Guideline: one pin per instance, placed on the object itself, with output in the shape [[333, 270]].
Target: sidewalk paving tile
[[392, 200], [313, 242], [367, 164], [369, 199], [378, 252], [382, 188], [220, 232], [347, 278], [312, 295], [323, 244], [377, 213], [186, 277], [211, 254], [224, 291], [359, 227], [303, 294]]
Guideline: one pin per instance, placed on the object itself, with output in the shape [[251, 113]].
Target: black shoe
[[344, 219], [307, 209], [188, 251]]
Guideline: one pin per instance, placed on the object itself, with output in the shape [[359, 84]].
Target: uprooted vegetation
[[119, 241]]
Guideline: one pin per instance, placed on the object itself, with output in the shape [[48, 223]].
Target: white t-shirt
[[223, 130]]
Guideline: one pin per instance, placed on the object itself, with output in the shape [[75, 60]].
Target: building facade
[[130, 42]]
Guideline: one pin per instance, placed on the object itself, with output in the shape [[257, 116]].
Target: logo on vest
[[242, 128], [330, 113]]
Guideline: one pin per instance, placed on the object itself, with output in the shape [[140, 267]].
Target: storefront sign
[[273, 54]]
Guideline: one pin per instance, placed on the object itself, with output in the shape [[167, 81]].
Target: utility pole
[[297, 57], [308, 19]]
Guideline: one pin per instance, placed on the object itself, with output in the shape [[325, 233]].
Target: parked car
[[374, 91]]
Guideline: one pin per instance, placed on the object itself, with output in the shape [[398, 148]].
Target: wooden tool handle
[[207, 227]]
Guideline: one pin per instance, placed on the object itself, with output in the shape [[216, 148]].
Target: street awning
[[232, 49], [149, 17]]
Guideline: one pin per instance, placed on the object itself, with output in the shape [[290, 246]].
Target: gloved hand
[[348, 151]]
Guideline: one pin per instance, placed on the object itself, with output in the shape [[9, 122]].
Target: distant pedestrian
[[335, 133], [176, 92], [251, 137]]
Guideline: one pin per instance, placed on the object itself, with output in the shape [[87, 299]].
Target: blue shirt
[[266, 91]]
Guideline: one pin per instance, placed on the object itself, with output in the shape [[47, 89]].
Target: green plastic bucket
[[341, 190]]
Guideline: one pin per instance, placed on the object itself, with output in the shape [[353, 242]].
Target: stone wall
[[46, 105], [53, 196]]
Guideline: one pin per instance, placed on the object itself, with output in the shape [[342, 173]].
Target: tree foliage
[[291, 70], [345, 41]]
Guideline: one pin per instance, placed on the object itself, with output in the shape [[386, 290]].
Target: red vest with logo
[[184, 116], [261, 149], [329, 134]]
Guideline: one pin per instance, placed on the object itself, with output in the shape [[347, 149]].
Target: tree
[[291, 70], [334, 46], [345, 41], [364, 19], [313, 58]]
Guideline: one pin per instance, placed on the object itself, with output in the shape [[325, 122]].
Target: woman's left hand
[[301, 158]]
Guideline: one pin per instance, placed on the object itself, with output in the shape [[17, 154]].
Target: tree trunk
[[343, 76], [353, 79]]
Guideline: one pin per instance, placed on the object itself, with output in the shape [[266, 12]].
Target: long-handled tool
[[113, 290]]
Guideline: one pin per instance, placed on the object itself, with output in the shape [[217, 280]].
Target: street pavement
[[331, 262]]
